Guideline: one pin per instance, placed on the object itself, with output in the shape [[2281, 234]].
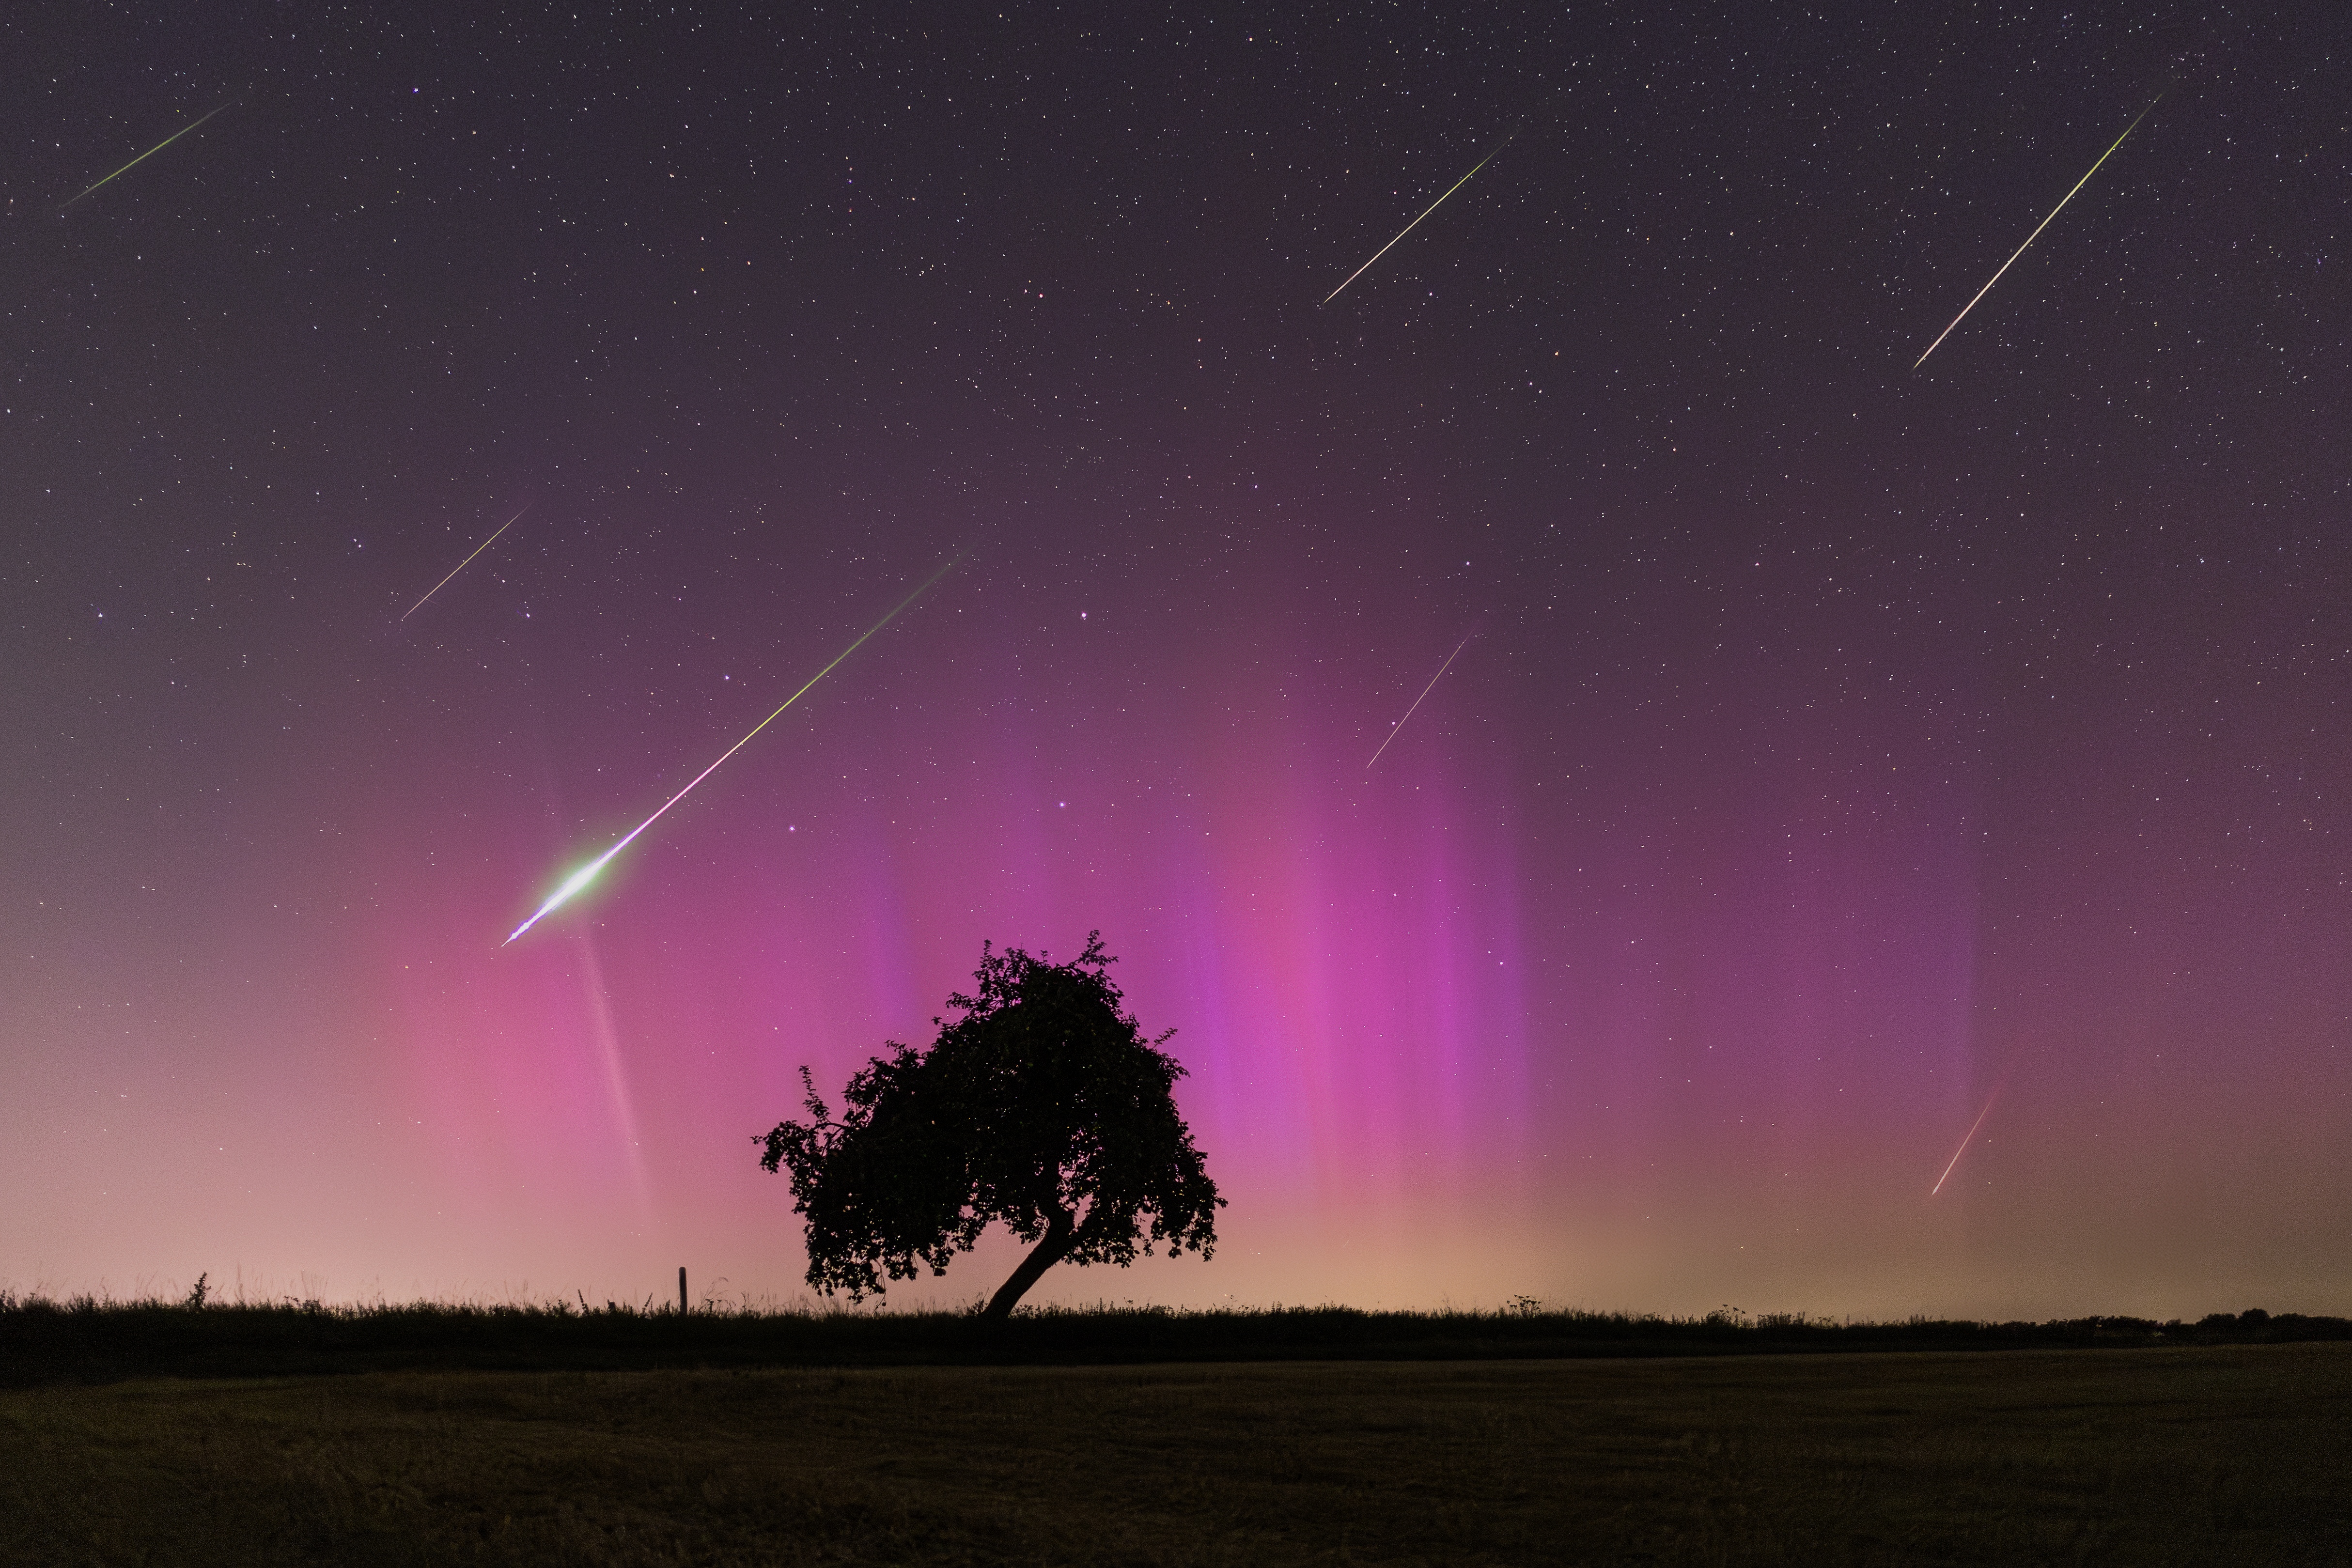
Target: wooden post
[[681, 1289]]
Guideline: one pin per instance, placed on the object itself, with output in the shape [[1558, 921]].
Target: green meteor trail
[[2037, 232], [587, 873], [153, 151]]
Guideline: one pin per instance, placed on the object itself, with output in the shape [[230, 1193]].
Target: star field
[[1836, 745]]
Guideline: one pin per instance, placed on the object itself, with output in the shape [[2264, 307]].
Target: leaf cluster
[[1042, 1106]]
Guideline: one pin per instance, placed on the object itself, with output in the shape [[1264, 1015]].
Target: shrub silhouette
[[1042, 1106]]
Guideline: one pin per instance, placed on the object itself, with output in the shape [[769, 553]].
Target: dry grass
[[2193, 1456]]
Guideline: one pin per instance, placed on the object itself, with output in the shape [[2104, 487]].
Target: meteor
[[462, 565], [1425, 690], [587, 873], [2037, 231], [1433, 206], [152, 151], [1964, 1142]]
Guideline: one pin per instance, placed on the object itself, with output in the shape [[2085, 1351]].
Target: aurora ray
[[587, 873], [2037, 232]]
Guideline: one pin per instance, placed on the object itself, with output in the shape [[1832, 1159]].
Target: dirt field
[[2194, 1455]]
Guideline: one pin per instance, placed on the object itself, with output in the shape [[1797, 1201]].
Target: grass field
[[85, 1340], [2233, 1454]]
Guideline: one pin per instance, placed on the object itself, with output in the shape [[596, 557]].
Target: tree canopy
[[1042, 1106]]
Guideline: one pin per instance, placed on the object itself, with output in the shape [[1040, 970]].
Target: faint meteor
[[462, 565], [1425, 690], [587, 873], [2037, 231], [1964, 1142], [152, 151], [1433, 206]]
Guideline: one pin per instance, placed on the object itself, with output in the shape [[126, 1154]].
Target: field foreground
[[2198, 1455]]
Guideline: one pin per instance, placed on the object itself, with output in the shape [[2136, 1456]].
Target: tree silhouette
[[1042, 1106]]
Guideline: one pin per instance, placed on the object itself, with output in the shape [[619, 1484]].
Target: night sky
[[1842, 755]]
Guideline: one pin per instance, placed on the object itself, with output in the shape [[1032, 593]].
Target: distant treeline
[[83, 1340]]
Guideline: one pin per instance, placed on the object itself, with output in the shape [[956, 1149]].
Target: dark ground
[[2215, 1454]]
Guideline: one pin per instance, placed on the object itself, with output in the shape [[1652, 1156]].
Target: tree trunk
[[1059, 1229]]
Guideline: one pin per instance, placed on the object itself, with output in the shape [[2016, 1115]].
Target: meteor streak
[[1964, 1143], [462, 565], [152, 151], [587, 873], [1425, 690], [2037, 231], [1433, 206]]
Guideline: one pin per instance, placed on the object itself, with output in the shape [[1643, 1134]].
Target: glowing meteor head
[[572, 885], [578, 879]]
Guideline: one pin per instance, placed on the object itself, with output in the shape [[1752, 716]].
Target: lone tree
[[1042, 1106]]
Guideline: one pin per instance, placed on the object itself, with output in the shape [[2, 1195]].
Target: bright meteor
[[462, 564], [1965, 1141], [151, 151], [2037, 232], [587, 873], [1433, 206], [1424, 691]]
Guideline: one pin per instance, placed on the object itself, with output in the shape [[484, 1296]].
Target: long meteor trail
[[1965, 1141], [2037, 232], [1424, 691], [151, 151], [587, 873], [1433, 206], [462, 564]]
